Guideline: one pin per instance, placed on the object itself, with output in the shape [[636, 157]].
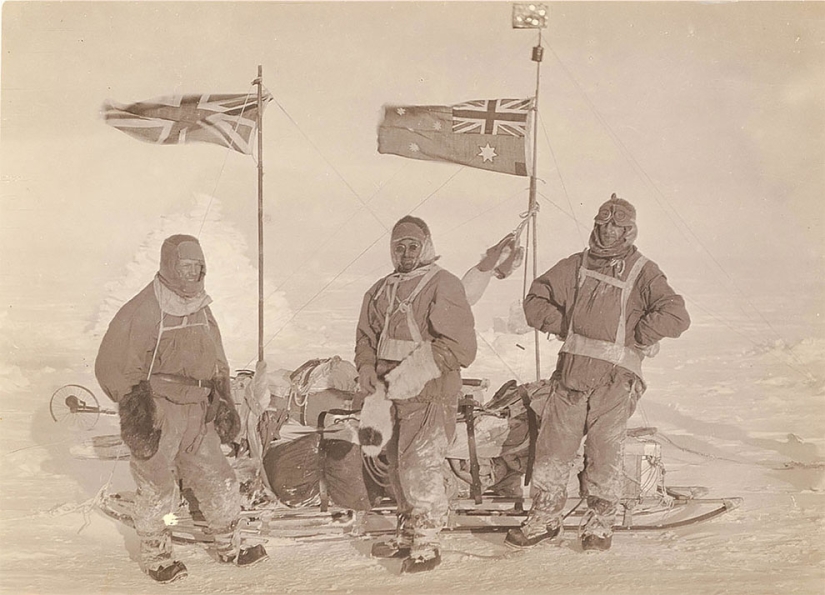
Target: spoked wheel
[[75, 407]]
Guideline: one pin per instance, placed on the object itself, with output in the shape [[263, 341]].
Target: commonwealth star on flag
[[489, 134]]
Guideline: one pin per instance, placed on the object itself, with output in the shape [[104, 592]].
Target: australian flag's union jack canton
[[492, 116], [227, 120], [491, 134]]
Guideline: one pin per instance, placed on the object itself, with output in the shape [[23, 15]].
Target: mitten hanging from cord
[[375, 426]]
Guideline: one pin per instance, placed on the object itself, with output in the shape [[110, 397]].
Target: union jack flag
[[227, 120], [492, 116]]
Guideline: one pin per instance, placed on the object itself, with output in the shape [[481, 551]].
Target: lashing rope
[[525, 219], [377, 470]]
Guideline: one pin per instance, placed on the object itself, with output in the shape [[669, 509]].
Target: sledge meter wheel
[[75, 407]]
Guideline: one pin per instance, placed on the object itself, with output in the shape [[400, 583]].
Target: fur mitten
[[408, 378], [227, 421], [137, 421], [375, 428], [513, 261], [495, 255]]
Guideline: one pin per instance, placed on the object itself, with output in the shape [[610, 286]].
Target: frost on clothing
[[442, 316], [424, 424], [167, 334], [189, 345], [203, 469], [614, 308], [654, 310], [416, 453], [568, 415]]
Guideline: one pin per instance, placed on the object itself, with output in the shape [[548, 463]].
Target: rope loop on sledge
[[377, 470]]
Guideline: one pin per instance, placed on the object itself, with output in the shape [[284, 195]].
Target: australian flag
[[489, 134]]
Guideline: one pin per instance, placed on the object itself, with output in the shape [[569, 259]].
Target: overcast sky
[[709, 117]]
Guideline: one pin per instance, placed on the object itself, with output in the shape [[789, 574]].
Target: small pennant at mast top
[[530, 16]]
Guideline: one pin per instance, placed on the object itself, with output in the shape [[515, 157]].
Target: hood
[[413, 228], [623, 214], [176, 248]]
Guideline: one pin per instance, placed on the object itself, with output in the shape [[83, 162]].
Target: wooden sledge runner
[[493, 515]]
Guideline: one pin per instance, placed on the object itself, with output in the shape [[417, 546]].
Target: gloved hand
[[137, 411], [226, 419], [510, 263], [649, 350], [367, 379], [496, 254]]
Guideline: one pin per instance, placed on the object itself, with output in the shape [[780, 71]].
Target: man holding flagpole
[[612, 306]]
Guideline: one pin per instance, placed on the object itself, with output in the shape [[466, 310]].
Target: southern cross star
[[487, 153], [400, 111], [414, 148]]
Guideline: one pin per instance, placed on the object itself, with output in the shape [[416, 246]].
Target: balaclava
[[176, 248], [413, 228], [623, 214]]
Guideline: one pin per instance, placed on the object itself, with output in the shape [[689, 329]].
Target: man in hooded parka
[[611, 306], [415, 332], [163, 362]]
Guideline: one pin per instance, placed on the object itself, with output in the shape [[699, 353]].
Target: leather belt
[[185, 380]]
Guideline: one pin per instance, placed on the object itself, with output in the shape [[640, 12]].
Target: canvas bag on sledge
[[299, 465], [322, 468], [317, 386]]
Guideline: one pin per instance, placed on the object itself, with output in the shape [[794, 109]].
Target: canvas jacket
[[443, 316], [189, 346], [654, 310]]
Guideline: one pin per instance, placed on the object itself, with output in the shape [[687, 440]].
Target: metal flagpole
[[259, 81]]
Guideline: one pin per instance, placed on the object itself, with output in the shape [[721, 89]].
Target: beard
[[407, 266]]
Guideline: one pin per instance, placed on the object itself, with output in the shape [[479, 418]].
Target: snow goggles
[[619, 214]]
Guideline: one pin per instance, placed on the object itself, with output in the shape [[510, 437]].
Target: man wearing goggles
[[611, 306]]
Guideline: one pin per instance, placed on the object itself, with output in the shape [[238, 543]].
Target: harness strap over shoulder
[[616, 352], [390, 348], [162, 329]]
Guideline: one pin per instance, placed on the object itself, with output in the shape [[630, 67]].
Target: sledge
[[303, 475], [493, 515]]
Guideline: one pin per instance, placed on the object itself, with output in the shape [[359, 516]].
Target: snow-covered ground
[[740, 415]]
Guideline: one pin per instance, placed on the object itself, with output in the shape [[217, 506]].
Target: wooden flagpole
[[538, 53], [259, 81]]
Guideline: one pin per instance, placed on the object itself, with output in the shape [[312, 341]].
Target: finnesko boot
[[168, 572], [521, 538]]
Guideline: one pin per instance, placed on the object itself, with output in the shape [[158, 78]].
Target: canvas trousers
[[600, 417], [416, 453], [190, 452]]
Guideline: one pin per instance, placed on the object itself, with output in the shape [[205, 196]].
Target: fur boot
[[408, 378], [375, 428], [137, 421]]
